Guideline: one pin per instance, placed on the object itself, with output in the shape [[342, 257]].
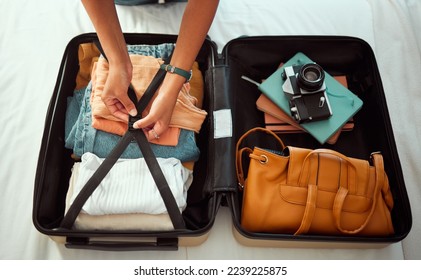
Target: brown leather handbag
[[304, 191]]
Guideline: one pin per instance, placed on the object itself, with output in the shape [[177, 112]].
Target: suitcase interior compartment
[[257, 58], [55, 162]]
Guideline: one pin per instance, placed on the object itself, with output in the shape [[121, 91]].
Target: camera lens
[[311, 77]]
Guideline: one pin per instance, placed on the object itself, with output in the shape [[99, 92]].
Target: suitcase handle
[[223, 164], [160, 244]]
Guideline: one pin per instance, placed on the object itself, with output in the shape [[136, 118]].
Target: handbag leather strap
[[309, 211], [240, 151], [340, 197], [316, 152]]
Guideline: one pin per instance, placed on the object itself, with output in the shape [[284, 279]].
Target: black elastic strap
[[148, 155], [105, 167], [160, 181], [94, 181]]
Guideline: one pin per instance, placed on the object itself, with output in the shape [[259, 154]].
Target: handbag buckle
[[264, 159]]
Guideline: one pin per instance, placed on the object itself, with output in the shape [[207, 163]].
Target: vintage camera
[[305, 87]]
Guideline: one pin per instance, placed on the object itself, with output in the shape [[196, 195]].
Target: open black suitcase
[[215, 182]]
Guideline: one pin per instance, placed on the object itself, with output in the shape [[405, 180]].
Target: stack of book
[[280, 122], [275, 105]]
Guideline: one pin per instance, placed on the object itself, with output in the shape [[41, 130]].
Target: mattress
[[33, 37]]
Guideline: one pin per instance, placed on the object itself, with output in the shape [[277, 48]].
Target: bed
[[34, 34]]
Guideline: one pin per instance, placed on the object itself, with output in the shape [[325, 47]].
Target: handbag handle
[[239, 152], [341, 195], [326, 152]]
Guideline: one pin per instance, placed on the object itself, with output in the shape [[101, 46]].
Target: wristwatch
[[175, 70]]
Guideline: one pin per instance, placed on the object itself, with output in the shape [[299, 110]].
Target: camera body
[[305, 88]]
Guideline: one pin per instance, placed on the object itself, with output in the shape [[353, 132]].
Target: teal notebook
[[344, 104]]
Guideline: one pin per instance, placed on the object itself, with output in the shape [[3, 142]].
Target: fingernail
[[133, 112], [135, 126]]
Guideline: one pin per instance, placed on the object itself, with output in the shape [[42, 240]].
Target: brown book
[[273, 122]]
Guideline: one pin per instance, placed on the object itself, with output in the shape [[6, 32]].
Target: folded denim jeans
[[163, 50]]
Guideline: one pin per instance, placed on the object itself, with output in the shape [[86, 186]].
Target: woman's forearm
[[195, 25], [104, 17]]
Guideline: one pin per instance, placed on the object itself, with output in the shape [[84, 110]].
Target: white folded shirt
[[129, 186]]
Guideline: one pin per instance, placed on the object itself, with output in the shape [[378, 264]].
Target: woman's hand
[[157, 116], [115, 95]]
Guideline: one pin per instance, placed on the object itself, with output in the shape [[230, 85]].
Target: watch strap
[[175, 70]]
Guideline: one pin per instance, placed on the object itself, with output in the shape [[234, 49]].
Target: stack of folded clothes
[[127, 198]]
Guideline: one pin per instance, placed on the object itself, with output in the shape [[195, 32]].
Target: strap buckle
[[132, 120]]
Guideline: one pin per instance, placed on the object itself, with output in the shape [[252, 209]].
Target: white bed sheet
[[34, 34]]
